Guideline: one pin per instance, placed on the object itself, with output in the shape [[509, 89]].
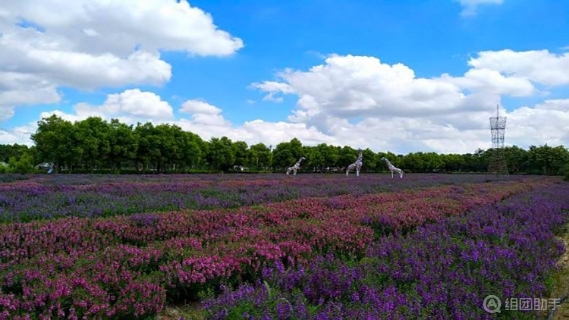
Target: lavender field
[[276, 246]]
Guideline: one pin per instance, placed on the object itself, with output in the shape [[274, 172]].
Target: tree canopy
[[95, 144]]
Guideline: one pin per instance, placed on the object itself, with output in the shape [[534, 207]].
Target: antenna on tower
[[498, 164]]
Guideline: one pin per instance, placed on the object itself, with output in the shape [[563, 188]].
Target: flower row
[[441, 271], [120, 266], [49, 197]]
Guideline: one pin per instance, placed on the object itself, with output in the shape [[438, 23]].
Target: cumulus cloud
[[133, 104], [544, 122], [15, 90], [97, 43], [19, 135], [203, 114], [469, 7], [346, 87], [272, 88], [539, 66], [349, 86], [492, 81], [129, 106], [363, 102]]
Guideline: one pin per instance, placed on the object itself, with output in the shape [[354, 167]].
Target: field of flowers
[[304, 247], [48, 196]]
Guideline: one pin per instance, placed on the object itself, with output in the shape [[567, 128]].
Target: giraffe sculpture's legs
[[355, 167], [350, 167], [291, 169], [399, 171]]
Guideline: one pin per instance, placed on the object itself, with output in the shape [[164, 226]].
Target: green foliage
[[94, 145], [566, 172], [22, 165]]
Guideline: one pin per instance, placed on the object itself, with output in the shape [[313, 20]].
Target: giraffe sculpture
[[356, 165], [392, 168], [295, 167]]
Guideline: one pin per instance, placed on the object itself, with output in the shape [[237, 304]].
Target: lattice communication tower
[[498, 164]]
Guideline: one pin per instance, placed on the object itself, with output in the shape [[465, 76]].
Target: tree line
[[96, 145]]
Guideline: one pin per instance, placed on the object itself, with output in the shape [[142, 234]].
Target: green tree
[[93, 135], [516, 159], [546, 159], [22, 165], [241, 153], [566, 172], [221, 155], [453, 162], [193, 150], [123, 145], [259, 156], [347, 156], [148, 154], [170, 143], [56, 142], [330, 154], [287, 153], [370, 160]]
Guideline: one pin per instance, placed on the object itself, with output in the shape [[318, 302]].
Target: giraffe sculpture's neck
[[295, 168]]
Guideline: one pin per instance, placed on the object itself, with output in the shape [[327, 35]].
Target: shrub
[[566, 172]]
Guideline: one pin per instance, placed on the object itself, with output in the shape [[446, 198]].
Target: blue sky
[[363, 101]]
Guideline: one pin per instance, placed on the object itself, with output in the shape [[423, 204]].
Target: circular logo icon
[[492, 304]]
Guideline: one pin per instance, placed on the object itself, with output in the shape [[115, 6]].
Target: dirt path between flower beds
[[192, 311], [561, 278]]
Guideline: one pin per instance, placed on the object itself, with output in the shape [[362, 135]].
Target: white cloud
[[19, 135], [101, 26], [272, 88], [492, 81], [97, 43], [134, 104], [349, 86], [15, 90], [360, 100], [129, 106], [539, 66], [203, 114], [198, 106], [363, 102], [469, 7], [545, 122]]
